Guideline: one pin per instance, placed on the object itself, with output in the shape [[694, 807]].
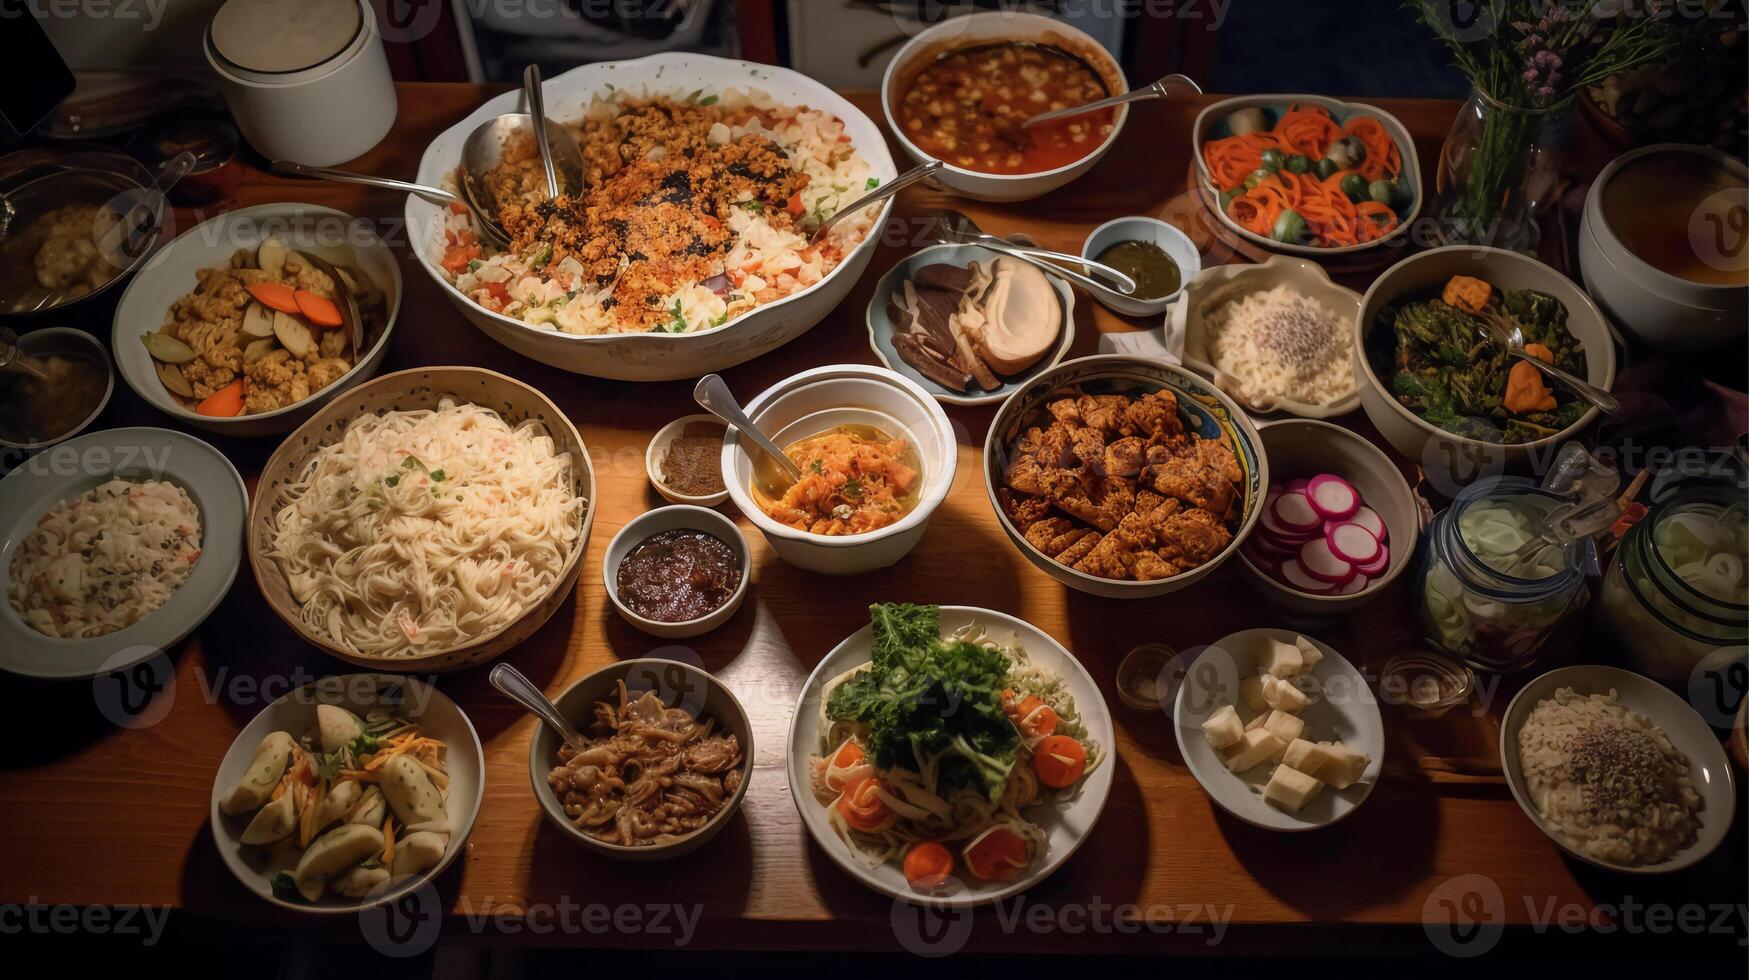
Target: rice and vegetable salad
[[697, 209]]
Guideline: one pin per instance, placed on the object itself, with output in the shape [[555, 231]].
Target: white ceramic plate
[[295, 714], [654, 356], [1065, 825], [172, 274], [1343, 709], [880, 325], [71, 468], [1709, 768]]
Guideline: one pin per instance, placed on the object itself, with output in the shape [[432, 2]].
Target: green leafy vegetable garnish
[[852, 489], [873, 182], [817, 466], [931, 704], [285, 888]]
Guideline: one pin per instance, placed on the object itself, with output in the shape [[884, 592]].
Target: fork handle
[[1599, 399]]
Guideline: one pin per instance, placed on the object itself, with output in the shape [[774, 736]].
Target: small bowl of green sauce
[[1159, 257]]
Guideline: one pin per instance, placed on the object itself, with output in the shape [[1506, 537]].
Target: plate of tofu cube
[[1280, 729]]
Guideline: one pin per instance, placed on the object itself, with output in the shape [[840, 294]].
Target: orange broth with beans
[[966, 108], [855, 479]]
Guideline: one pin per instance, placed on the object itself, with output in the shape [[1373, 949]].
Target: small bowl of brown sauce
[[678, 571], [685, 461], [1159, 257], [54, 382]]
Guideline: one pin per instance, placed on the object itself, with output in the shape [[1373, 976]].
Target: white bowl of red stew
[[959, 92]]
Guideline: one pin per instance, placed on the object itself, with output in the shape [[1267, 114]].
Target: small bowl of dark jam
[[1156, 254], [677, 571]]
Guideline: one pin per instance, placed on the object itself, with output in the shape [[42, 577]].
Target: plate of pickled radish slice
[[348, 793], [1280, 729]]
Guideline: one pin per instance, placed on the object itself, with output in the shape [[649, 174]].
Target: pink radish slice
[[1296, 485], [1351, 543], [1294, 512], [1272, 526], [1368, 518], [1332, 497], [1273, 548], [1376, 567], [1353, 586], [1294, 574], [1321, 563]]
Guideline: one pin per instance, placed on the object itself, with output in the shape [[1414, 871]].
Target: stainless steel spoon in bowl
[[952, 227], [1503, 331], [881, 193], [1143, 94], [524, 692], [712, 394], [484, 150], [490, 231], [537, 111]]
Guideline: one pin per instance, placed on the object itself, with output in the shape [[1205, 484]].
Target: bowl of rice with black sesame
[[1617, 770], [688, 248]]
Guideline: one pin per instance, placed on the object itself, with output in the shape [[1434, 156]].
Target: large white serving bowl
[[1425, 273], [1709, 769], [1666, 311], [295, 714], [815, 401], [1343, 709], [1066, 824], [171, 274], [655, 356], [1205, 410], [986, 28]]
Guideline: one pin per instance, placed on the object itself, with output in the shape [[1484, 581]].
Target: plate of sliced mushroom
[[969, 325], [247, 323], [348, 792]]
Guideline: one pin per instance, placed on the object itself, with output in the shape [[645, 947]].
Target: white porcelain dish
[[73, 467], [679, 685], [1065, 825], [1666, 311], [1222, 284], [880, 325], [1175, 243], [295, 714], [883, 397], [672, 518], [61, 340], [1425, 273], [655, 356], [986, 28], [1305, 448], [1210, 124], [657, 452], [171, 274], [1344, 709], [1205, 411], [1709, 768]]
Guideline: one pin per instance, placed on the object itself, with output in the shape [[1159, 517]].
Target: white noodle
[[426, 529]]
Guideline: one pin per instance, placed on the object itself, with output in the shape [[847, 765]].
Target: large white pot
[[655, 356]]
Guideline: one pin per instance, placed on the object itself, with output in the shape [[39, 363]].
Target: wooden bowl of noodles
[[421, 389]]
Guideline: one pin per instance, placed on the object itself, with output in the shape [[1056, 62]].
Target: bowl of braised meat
[[1124, 477]]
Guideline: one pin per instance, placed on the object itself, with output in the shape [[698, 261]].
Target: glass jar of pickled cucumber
[[1677, 589], [1491, 589]]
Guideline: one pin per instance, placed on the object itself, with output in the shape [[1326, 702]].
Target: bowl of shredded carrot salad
[[1308, 175]]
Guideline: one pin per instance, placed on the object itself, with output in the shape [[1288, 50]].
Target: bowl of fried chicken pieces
[[1124, 477]]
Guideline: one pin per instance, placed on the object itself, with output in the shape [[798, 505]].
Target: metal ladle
[[1154, 91], [712, 394], [954, 228], [561, 159], [490, 231], [524, 692]]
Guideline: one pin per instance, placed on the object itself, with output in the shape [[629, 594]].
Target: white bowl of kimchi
[[763, 288]]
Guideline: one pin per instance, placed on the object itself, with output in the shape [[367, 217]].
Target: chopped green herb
[[437, 476], [852, 489], [708, 100], [873, 182], [474, 265]]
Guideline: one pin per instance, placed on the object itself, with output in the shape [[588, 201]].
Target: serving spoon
[[561, 159], [954, 228], [1143, 94], [712, 394], [1506, 333], [490, 231], [881, 193], [523, 691]]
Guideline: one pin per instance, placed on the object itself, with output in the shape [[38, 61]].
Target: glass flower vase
[[1498, 167]]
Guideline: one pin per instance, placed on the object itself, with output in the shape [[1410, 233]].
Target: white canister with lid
[[306, 80]]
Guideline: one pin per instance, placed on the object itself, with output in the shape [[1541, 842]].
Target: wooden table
[[95, 815]]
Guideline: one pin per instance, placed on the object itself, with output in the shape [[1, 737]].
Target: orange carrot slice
[[225, 403], [319, 310], [274, 296]]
